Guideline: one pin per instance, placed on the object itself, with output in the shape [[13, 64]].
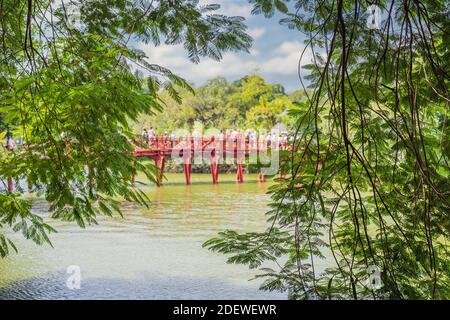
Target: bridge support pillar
[[187, 172], [239, 174], [215, 170], [159, 163]]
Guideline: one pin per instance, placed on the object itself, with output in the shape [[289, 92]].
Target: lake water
[[150, 253]]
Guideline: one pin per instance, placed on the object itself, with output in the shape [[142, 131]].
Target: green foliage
[[377, 122], [267, 113], [70, 92], [249, 102]]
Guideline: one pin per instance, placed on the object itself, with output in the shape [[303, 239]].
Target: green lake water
[[150, 253]]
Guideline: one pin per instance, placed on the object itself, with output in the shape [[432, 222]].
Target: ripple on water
[[152, 253], [147, 286]]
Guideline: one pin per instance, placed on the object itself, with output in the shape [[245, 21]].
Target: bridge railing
[[246, 144], [234, 148]]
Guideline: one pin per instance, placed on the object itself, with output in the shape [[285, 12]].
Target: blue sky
[[275, 52]]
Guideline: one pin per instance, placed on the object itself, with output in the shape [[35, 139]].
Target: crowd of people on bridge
[[249, 136]]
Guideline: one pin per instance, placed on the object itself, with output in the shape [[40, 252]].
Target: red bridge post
[[239, 175], [187, 171], [215, 169], [239, 151], [159, 163], [240, 172]]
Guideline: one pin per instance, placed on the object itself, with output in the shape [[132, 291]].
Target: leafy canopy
[[69, 88], [368, 185]]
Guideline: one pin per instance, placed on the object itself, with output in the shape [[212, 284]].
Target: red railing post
[[212, 172], [162, 160], [239, 175], [187, 172], [215, 169]]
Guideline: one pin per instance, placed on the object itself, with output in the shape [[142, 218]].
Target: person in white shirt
[[151, 133]]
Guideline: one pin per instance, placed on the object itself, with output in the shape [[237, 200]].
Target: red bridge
[[214, 149]]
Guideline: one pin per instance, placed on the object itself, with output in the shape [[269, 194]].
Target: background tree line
[[249, 102]]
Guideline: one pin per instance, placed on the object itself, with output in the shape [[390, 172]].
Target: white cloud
[[169, 56], [254, 52], [285, 58], [175, 58], [289, 47], [282, 61], [229, 8], [256, 33], [233, 65]]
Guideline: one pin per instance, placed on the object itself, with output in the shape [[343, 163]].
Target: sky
[[274, 55]]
